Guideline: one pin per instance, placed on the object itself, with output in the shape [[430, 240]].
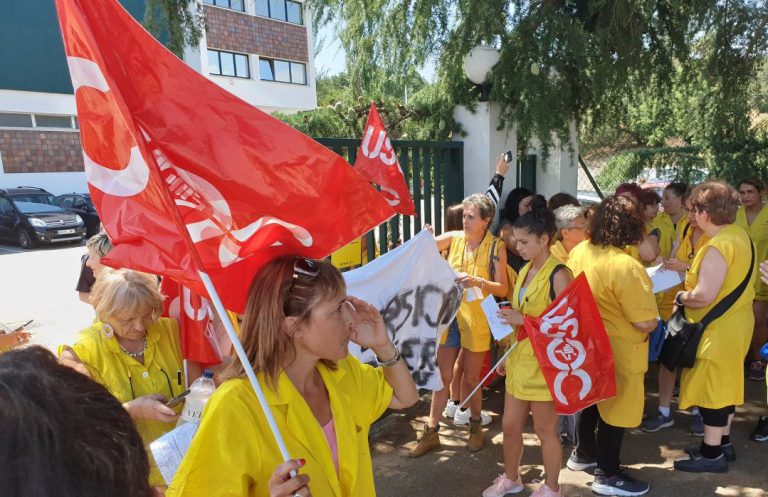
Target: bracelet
[[390, 362]]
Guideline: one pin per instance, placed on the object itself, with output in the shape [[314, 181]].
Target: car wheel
[[25, 240]]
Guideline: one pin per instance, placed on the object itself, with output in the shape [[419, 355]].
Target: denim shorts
[[454, 336]]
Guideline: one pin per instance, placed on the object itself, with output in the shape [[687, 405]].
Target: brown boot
[[476, 435], [429, 441]]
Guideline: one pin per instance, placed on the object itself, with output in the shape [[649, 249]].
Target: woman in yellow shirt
[[647, 249], [526, 389], [753, 217], [624, 296], [715, 383], [297, 327], [133, 352], [572, 226]]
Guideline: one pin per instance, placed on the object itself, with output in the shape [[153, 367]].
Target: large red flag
[[166, 151], [573, 349], [377, 161]]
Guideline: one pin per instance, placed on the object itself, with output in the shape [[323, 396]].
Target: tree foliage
[[178, 22]]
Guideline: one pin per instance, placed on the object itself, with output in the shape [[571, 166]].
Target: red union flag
[[377, 162], [188, 178], [194, 315], [573, 349]]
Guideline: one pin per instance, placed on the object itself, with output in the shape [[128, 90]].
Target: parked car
[[81, 204], [30, 215]]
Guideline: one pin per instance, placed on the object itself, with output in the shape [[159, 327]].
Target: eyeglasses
[[302, 267]]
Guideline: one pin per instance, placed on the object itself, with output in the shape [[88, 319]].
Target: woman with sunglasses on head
[[133, 352], [296, 330]]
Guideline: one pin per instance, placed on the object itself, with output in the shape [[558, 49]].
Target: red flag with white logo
[[377, 161], [186, 177], [195, 317], [573, 349]]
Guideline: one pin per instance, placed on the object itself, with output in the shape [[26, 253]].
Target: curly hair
[[485, 206], [64, 434], [718, 199], [617, 221]]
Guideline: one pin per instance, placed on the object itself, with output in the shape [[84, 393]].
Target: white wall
[[560, 172], [42, 103]]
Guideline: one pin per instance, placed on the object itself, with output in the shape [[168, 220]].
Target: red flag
[[166, 150], [194, 314], [573, 349], [377, 162]]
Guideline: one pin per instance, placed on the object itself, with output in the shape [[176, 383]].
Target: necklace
[[135, 354]]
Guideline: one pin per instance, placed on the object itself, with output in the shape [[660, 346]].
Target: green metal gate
[[435, 175]]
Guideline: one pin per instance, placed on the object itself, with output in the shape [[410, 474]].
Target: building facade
[[260, 50]]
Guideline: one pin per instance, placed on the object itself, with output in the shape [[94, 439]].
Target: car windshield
[[30, 203], [88, 201]]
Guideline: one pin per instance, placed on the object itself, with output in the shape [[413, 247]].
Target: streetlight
[[477, 64]]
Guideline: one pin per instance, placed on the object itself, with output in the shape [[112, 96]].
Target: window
[[6, 209], [42, 121], [282, 10], [227, 4], [79, 203], [283, 71], [228, 64], [13, 120], [66, 201], [9, 120]]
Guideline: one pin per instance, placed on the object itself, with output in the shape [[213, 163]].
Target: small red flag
[[573, 349], [377, 162]]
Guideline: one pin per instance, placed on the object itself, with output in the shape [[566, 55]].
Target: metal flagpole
[[503, 358]]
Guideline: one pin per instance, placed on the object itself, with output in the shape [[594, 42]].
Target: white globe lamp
[[479, 62]]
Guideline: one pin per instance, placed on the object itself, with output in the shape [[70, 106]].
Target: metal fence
[[435, 175]]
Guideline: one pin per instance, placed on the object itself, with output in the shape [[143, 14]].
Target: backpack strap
[[721, 307], [492, 258], [557, 268]]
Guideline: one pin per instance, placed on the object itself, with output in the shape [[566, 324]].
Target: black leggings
[[597, 440], [716, 417]]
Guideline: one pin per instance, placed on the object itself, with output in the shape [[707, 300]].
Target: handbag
[[683, 337], [656, 341]]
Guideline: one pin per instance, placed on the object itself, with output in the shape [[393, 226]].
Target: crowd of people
[[106, 397]]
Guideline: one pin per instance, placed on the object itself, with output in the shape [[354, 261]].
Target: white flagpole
[[503, 358], [246, 365]]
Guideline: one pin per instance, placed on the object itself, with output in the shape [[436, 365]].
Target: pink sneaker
[[545, 491], [503, 486]]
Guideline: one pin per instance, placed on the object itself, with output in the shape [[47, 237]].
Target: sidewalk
[[454, 471]]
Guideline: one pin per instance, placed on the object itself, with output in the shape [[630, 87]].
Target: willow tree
[[177, 23], [569, 59]]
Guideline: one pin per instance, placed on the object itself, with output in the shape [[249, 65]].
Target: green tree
[[178, 22]]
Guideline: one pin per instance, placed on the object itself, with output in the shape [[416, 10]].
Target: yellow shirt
[[473, 325], [127, 379], [663, 222], [524, 380], [717, 377], [235, 454], [624, 295], [758, 231], [685, 252], [558, 251]]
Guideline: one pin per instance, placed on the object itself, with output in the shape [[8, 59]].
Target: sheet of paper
[[498, 329], [473, 293], [663, 279], [170, 449]]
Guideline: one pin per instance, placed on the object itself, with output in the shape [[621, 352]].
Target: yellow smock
[[667, 233], [473, 325], [624, 295], [127, 379], [524, 380], [758, 231], [558, 252], [717, 377], [234, 452]]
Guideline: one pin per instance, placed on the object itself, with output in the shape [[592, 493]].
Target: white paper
[[170, 449], [473, 293], [663, 279], [491, 309]]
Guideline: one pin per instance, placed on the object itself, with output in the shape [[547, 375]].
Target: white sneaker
[[450, 409], [502, 486], [462, 417]]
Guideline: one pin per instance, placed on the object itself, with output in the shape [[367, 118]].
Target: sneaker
[[657, 422], [696, 463], [618, 484], [450, 409], [428, 441], [697, 425], [728, 451], [756, 371], [576, 463], [545, 491], [502, 486], [760, 433], [476, 436], [461, 417]]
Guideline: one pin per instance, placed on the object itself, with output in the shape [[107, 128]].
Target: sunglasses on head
[[302, 268]]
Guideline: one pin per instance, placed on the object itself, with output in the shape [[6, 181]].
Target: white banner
[[414, 289]]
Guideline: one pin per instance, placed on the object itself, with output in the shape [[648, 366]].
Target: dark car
[[81, 204], [30, 215]]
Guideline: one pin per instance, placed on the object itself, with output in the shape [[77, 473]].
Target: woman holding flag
[[297, 327], [540, 280], [624, 296]]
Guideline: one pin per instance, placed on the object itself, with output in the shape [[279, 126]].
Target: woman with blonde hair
[[296, 330], [132, 351]]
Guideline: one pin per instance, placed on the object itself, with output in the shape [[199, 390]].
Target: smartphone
[[508, 156], [505, 305], [178, 399]]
